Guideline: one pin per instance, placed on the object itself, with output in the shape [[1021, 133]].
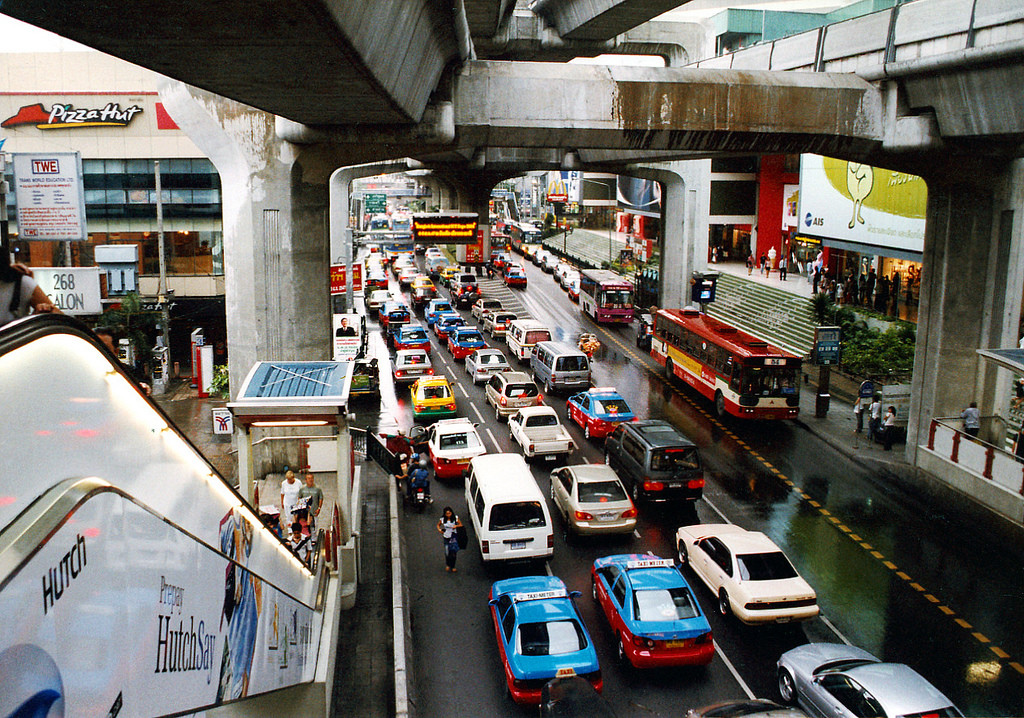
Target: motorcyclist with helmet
[[419, 476]]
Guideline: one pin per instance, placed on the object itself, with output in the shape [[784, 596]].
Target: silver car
[[410, 365], [836, 680], [485, 363], [592, 500]]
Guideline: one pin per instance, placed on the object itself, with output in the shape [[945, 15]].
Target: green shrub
[[219, 385], [867, 352]]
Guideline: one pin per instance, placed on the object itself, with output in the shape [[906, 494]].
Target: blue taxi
[[411, 336], [444, 323], [463, 341], [598, 411], [435, 307], [652, 611], [540, 635]]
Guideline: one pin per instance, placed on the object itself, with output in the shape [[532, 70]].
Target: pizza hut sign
[[69, 116]]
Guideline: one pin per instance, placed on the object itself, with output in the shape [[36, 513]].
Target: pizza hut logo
[[68, 116]]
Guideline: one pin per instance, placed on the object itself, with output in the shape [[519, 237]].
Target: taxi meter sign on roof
[[445, 227], [651, 563], [540, 595]]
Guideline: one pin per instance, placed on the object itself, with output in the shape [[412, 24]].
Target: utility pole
[[161, 289], [5, 241]]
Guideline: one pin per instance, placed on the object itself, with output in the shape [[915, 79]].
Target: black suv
[[655, 461]]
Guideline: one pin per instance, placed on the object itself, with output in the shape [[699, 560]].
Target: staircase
[[776, 315]]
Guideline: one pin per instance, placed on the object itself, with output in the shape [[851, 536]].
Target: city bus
[[523, 233], [745, 376], [606, 296]]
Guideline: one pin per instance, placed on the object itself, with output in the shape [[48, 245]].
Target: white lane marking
[[547, 567], [716, 510], [733, 671], [477, 412], [637, 534], [494, 441], [464, 392], [834, 630]]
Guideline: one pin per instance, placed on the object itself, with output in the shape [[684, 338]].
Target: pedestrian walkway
[[588, 247]]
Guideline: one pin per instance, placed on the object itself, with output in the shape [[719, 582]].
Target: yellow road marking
[[813, 503], [999, 651], [931, 598], [844, 528], [947, 610], [917, 587], [855, 537], [889, 565], [902, 575], [982, 638], [1017, 667], [962, 623], [824, 512], [878, 555], [833, 519]]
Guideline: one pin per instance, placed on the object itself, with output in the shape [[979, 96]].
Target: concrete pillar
[[684, 224], [474, 195], [274, 198], [971, 283]]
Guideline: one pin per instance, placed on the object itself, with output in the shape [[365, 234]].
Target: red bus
[[606, 296], [745, 376]]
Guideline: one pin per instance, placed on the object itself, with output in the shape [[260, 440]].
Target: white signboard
[[73, 290], [863, 204], [790, 203], [222, 421], [50, 196], [347, 340]]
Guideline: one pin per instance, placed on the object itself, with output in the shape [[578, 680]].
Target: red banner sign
[[338, 278]]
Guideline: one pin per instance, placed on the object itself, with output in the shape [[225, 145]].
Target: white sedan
[[482, 364], [452, 443], [752, 578]]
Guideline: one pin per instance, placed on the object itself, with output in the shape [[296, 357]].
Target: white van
[[522, 336], [509, 514]]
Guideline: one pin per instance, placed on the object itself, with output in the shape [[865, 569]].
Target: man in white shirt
[[289, 496], [875, 423]]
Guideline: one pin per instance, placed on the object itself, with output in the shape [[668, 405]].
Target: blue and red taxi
[[411, 336], [540, 635], [598, 411], [463, 341], [515, 276], [392, 315], [652, 611], [444, 323], [435, 307]]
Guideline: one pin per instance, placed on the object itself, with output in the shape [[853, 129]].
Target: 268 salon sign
[[50, 196]]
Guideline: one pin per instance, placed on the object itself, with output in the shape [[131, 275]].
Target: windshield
[[467, 279], [616, 299], [765, 566], [462, 440], [550, 639], [470, 337], [599, 492], [517, 515], [446, 307], [664, 604], [398, 317], [610, 406], [415, 359], [765, 381], [518, 391], [436, 392], [684, 459], [489, 359], [414, 335], [542, 420], [538, 335], [504, 318]]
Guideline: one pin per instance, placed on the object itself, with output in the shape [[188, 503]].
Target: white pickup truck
[[538, 431]]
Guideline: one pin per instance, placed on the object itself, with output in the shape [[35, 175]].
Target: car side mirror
[[493, 602], [574, 594]]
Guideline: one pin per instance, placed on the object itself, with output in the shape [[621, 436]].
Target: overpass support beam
[[684, 224], [971, 287], [274, 198]]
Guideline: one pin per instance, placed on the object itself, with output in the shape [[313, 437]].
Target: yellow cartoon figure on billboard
[[860, 179]]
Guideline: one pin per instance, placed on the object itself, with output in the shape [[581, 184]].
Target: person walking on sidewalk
[[289, 497], [750, 263], [448, 526], [889, 428], [314, 500], [782, 268], [858, 411], [875, 422], [972, 420]]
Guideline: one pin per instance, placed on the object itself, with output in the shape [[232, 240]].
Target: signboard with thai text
[[338, 278], [50, 196], [444, 227]]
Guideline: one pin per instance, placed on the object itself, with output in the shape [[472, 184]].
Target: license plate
[[783, 619], [515, 545], [606, 517], [681, 643], [550, 457], [675, 485]]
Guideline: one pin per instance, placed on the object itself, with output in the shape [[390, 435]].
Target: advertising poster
[[119, 613], [790, 206], [638, 196], [565, 187], [338, 278], [862, 204], [50, 196], [475, 251], [347, 336]]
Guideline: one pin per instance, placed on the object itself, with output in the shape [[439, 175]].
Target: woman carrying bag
[[450, 528]]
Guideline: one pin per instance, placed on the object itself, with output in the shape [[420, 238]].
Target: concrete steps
[[773, 314]]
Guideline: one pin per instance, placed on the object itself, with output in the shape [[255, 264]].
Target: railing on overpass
[[994, 463]]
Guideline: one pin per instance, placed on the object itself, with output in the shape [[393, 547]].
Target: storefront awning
[[873, 250], [1012, 359]]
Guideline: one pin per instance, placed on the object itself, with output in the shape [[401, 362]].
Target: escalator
[[133, 579]]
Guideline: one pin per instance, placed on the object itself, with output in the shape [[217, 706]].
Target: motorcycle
[[420, 498]]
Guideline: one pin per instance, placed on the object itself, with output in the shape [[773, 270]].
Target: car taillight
[[451, 405], [551, 540], [643, 642], [653, 486], [484, 546], [399, 372], [540, 400], [504, 402], [695, 484], [583, 516], [704, 638], [629, 514], [430, 371], [531, 448]]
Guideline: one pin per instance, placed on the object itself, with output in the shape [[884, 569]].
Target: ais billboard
[[445, 228]]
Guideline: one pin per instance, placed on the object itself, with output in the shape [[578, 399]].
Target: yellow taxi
[[447, 273], [422, 282], [432, 398]]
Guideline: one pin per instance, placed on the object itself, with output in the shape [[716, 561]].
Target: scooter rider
[[419, 477], [402, 474]]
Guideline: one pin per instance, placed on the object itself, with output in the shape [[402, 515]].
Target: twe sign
[[50, 196]]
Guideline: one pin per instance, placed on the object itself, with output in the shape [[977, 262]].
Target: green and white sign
[[375, 203]]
